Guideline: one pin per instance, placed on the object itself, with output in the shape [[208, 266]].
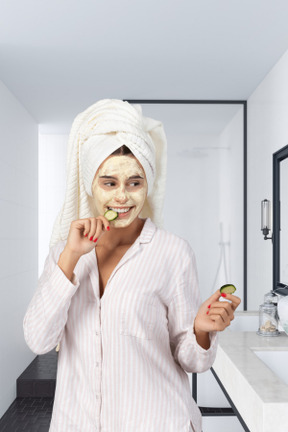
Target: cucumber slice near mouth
[[110, 215], [227, 289]]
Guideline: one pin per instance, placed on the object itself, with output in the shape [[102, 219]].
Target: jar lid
[[268, 305], [271, 297]]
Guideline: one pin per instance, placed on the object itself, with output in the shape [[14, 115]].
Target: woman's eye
[[109, 184], [134, 184]]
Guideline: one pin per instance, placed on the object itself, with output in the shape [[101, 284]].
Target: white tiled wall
[[51, 187], [18, 237]]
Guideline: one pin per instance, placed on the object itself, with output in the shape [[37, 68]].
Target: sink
[[276, 361], [245, 322]]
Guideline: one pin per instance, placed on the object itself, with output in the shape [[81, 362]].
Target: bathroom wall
[[18, 237], [267, 133], [52, 182], [231, 216], [229, 251], [192, 201]]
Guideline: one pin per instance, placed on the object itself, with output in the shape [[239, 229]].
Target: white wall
[[192, 201], [18, 237], [267, 132], [52, 183], [231, 203]]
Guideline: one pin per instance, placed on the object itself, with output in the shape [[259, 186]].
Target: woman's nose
[[121, 195]]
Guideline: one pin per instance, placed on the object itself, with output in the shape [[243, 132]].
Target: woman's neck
[[121, 236]]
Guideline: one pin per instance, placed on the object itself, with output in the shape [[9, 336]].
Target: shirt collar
[[147, 232]]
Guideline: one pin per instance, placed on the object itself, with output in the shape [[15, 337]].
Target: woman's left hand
[[215, 315]]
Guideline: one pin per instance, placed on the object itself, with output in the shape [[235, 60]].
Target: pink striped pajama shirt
[[123, 358]]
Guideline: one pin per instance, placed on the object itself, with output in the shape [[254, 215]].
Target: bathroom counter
[[260, 397]]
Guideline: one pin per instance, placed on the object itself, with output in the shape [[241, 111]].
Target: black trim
[[186, 101], [277, 158], [217, 412], [230, 401], [194, 386], [245, 186]]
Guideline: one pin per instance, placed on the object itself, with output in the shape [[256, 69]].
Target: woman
[[121, 296]]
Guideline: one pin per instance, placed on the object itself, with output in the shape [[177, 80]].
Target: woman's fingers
[[102, 225], [221, 308], [105, 225], [222, 312], [220, 315], [87, 224], [219, 322], [91, 234], [94, 227], [234, 300], [216, 315]]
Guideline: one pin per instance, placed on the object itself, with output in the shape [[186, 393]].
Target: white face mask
[[127, 190]]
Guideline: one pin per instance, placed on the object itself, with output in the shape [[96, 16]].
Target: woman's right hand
[[81, 230]]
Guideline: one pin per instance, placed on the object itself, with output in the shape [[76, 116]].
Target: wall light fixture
[[266, 219]]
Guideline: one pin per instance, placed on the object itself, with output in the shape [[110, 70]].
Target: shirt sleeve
[[47, 313], [182, 310]]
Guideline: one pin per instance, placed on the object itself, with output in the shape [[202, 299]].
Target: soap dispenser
[[268, 318]]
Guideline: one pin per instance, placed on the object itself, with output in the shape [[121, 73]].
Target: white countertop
[[258, 394]]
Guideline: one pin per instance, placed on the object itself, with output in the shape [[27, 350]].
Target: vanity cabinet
[[252, 369]]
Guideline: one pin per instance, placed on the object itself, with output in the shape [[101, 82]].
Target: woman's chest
[[106, 262], [135, 300]]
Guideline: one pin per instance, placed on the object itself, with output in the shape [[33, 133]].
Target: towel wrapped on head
[[95, 134]]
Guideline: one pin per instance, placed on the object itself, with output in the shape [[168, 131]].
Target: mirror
[[280, 221]]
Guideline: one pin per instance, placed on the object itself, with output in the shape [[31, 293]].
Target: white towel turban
[[95, 134]]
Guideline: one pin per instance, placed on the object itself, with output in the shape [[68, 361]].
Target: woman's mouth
[[122, 211]]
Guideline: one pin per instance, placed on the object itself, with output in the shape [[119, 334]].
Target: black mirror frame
[[278, 156]]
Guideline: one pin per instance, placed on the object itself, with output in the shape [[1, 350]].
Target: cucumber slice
[[110, 215], [228, 289]]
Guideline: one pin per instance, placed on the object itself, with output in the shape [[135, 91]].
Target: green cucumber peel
[[228, 289], [110, 215]]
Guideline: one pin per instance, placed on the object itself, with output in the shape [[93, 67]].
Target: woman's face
[[120, 184]]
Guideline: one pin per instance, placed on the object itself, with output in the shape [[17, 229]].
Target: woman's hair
[[124, 150]]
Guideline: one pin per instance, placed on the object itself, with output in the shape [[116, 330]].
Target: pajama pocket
[[138, 315]]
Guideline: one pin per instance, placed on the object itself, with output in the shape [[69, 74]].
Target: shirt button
[[97, 364]]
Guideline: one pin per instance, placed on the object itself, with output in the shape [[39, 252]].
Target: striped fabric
[[123, 358]]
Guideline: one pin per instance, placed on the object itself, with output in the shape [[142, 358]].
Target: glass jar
[[271, 297], [268, 320]]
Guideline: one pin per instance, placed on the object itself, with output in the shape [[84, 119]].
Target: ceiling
[[58, 57]]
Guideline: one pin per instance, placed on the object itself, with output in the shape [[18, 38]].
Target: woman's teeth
[[119, 210]]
